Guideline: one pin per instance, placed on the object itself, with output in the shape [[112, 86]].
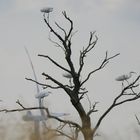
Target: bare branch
[[71, 25], [54, 62], [54, 32], [63, 134], [92, 109], [137, 119], [56, 43], [23, 109], [46, 85], [116, 103], [67, 90], [103, 64], [83, 53], [65, 121], [29, 79], [61, 28], [20, 104], [47, 111]]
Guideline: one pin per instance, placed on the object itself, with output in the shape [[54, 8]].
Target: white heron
[[59, 114], [43, 94], [125, 77], [69, 76], [46, 10]]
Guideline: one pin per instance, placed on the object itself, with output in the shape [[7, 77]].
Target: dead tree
[[76, 90]]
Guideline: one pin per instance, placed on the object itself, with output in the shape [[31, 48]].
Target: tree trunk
[[88, 134]]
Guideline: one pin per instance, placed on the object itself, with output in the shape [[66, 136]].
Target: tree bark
[[88, 133]]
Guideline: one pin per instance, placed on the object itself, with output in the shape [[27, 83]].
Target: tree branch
[[103, 64], [83, 53], [67, 90], [137, 119], [46, 85], [61, 28], [54, 32], [92, 109], [23, 109], [65, 121], [56, 43], [61, 133], [115, 103], [71, 25], [41, 84], [54, 62]]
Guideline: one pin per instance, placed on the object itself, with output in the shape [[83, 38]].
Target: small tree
[[76, 90]]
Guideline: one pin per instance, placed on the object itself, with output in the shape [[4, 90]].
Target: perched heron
[[46, 10], [59, 114], [125, 77], [42, 94], [69, 76]]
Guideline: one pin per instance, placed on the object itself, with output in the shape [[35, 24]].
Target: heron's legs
[[127, 82], [48, 17], [123, 86]]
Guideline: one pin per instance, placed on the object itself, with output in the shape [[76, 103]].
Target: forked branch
[[103, 64], [48, 77], [71, 25], [116, 101], [54, 62], [74, 124], [86, 50]]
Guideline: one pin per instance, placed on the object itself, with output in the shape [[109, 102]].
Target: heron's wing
[[58, 114], [32, 66]]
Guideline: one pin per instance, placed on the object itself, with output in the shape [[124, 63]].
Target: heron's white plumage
[[124, 77], [42, 94], [67, 75], [59, 114], [46, 9]]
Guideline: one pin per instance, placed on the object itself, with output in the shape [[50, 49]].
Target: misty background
[[117, 25]]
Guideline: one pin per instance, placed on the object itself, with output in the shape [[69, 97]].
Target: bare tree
[[76, 90]]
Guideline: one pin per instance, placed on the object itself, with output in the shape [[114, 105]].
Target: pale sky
[[117, 24]]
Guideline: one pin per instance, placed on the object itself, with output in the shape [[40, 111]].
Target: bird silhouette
[[46, 10], [125, 77]]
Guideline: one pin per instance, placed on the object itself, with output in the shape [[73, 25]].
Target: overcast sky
[[117, 24]]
